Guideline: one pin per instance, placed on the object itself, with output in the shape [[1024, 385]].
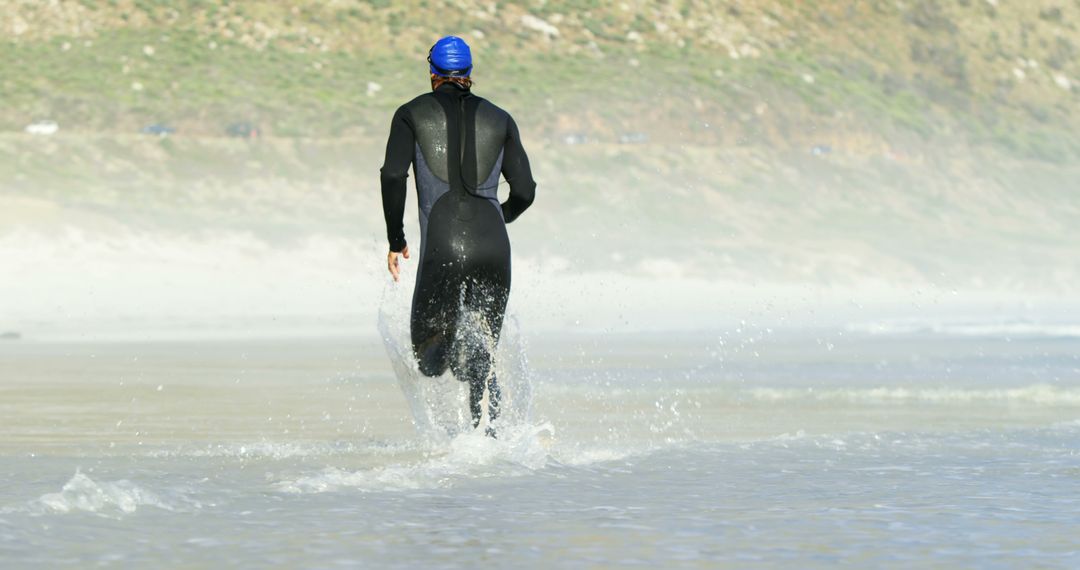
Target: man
[[458, 144]]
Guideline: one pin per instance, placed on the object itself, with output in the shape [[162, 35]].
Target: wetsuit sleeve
[[515, 169], [394, 173]]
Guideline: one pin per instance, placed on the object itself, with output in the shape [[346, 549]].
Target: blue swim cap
[[450, 57]]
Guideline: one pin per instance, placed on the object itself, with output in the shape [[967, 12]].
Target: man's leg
[[478, 335], [436, 309]]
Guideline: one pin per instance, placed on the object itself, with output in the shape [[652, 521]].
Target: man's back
[[458, 141]]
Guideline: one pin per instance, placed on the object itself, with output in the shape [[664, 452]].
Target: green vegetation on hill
[[862, 76]]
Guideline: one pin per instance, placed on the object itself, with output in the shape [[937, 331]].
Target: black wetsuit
[[458, 144]]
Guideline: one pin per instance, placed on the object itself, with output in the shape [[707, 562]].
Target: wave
[[83, 494], [278, 450], [704, 396], [1039, 395], [1014, 328]]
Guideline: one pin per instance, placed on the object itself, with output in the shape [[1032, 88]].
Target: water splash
[[519, 450], [439, 405]]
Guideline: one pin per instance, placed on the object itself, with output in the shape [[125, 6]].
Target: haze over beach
[[800, 285]]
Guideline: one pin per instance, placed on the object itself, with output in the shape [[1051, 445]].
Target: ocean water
[[860, 446]]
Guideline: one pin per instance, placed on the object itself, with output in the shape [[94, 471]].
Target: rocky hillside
[[864, 77]]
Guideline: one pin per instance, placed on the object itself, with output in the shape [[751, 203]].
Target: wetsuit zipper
[[461, 144]]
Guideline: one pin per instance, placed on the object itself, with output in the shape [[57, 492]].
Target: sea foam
[[81, 493], [519, 450]]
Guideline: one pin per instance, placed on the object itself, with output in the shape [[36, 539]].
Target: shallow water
[[747, 448]]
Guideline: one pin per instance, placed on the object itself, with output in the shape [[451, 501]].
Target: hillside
[[867, 77], [838, 144]]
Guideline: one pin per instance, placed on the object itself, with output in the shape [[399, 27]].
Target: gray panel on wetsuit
[[429, 126], [491, 124], [429, 165], [428, 189]]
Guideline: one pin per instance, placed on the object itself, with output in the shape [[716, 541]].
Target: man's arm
[[515, 169], [394, 173]]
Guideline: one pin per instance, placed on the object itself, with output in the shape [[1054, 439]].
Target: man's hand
[[392, 262]]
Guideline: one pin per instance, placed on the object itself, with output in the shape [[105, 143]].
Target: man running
[[458, 144]]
